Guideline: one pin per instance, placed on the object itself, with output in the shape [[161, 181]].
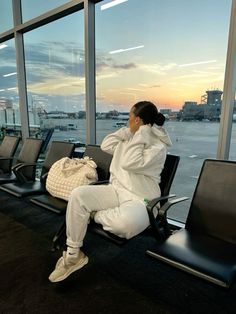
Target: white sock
[[72, 252]]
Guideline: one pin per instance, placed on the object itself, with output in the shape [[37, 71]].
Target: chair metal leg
[[57, 237]]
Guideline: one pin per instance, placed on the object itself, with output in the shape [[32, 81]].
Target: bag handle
[[69, 164]]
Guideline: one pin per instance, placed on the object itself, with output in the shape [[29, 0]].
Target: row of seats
[[36, 188], [7, 151], [205, 247], [28, 154]]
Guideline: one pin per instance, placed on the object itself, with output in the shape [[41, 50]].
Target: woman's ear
[[138, 121]]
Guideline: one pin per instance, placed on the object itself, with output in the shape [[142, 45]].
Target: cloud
[[158, 69], [101, 66], [126, 66], [9, 81], [104, 65], [8, 55], [7, 65], [52, 60], [136, 89], [155, 86]]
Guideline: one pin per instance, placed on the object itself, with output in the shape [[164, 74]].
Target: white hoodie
[[138, 160]]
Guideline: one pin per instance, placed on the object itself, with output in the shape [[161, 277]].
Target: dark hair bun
[[160, 120], [148, 112]]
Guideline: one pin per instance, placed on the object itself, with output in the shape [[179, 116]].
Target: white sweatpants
[[116, 211]]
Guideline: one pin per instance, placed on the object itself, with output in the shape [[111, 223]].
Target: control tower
[[214, 97]]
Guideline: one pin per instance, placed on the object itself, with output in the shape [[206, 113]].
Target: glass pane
[[6, 20], [172, 53], [31, 9], [55, 78], [9, 100]]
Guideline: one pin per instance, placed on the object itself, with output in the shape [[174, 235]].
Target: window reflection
[[164, 53], [9, 100], [31, 9], [55, 78], [6, 17]]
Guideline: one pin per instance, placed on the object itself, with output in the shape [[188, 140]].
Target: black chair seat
[[21, 190], [206, 247], [187, 251], [25, 165], [8, 148], [103, 161], [57, 205], [51, 203], [58, 149]]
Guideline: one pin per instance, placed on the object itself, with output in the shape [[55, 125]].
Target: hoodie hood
[[161, 133]]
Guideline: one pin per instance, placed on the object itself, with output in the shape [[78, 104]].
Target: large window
[[6, 16], [172, 53], [31, 9], [54, 57], [9, 101]]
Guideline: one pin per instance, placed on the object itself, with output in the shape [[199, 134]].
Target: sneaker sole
[[75, 268]]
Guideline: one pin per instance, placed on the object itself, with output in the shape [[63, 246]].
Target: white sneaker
[[67, 265]]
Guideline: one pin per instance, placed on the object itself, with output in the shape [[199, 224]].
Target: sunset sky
[[167, 51]]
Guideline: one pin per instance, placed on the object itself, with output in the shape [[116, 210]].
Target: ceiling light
[[3, 46], [127, 49], [9, 74], [196, 63], [111, 4]]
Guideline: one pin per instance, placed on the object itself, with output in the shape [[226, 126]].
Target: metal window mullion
[[21, 78], [50, 16], [20, 66], [90, 88], [229, 91]]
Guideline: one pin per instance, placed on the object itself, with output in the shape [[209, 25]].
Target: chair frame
[[198, 248], [167, 175], [24, 187], [7, 151], [25, 164]]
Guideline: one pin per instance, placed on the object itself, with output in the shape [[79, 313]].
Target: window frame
[[88, 6]]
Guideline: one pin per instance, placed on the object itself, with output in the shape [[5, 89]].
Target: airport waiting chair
[[46, 136], [58, 205], [206, 246], [167, 177], [8, 148], [49, 202], [56, 151], [24, 168]]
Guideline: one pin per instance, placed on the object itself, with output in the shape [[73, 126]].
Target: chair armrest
[[151, 204], [20, 171], [164, 208], [159, 222], [44, 176], [99, 182], [16, 166], [6, 164], [154, 221], [20, 166]]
